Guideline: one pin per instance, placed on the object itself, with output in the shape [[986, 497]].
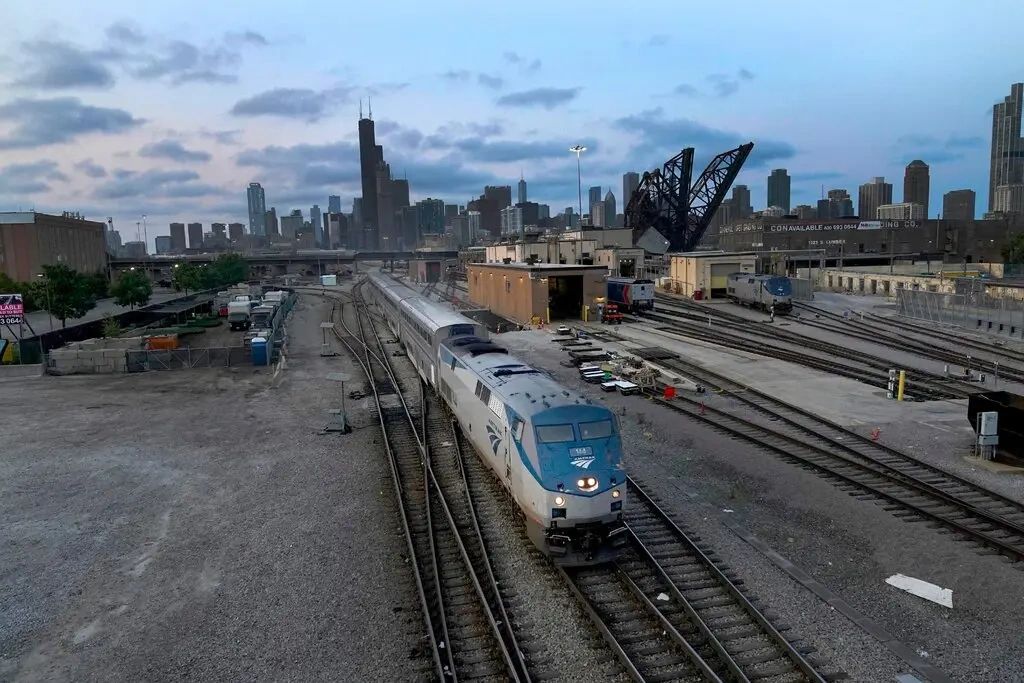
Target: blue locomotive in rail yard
[[761, 291], [559, 456]]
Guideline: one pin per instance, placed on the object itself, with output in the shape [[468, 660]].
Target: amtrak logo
[[582, 462], [494, 438]]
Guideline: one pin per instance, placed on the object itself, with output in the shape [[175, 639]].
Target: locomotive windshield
[[555, 433], [779, 286], [601, 429]]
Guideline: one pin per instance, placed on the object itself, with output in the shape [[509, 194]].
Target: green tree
[[227, 269], [98, 285], [64, 292], [186, 277], [1013, 252], [133, 289], [110, 327]]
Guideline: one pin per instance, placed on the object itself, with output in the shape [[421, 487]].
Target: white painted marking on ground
[[923, 589]]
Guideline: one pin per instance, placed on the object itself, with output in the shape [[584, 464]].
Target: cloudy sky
[[170, 109]]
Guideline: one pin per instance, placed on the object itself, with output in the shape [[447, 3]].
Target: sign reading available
[[12, 309]]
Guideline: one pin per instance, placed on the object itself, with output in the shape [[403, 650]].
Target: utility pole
[[578, 150]]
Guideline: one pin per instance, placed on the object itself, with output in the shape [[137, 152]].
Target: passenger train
[[761, 291], [558, 455]]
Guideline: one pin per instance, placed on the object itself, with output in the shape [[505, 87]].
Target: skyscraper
[[291, 225], [318, 230], [257, 209], [195, 235], [501, 194], [236, 231], [871, 196], [270, 221], [741, 202], [1007, 143], [840, 205], [369, 158], [178, 237], [630, 181], [916, 184], [334, 204], [595, 197], [522, 189], [958, 205], [609, 210], [778, 189], [597, 217]]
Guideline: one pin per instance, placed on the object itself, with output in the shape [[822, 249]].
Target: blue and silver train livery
[[558, 455], [761, 291]]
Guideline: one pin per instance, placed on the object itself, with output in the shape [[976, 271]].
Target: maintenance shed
[[705, 274], [425, 268], [543, 291]]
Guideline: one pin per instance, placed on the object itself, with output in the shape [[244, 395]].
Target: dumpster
[[1010, 407]]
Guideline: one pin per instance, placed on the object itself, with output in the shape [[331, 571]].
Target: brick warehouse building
[[30, 240], [953, 240]]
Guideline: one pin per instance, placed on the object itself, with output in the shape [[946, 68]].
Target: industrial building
[[536, 292], [704, 274], [30, 240]]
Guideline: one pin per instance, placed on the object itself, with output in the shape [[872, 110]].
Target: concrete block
[[113, 353]]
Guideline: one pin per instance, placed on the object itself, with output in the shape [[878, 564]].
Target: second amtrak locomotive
[[761, 291], [558, 455]]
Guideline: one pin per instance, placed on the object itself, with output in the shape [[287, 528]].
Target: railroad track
[[922, 384], [906, 486], [670, 613], [456, 589]]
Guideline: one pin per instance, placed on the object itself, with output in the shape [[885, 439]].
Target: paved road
[[40, 320]]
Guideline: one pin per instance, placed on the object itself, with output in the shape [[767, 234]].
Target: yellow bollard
[[903, 383]]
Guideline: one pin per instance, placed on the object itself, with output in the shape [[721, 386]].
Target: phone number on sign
[[10, 319]]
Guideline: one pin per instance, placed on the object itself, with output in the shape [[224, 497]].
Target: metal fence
[[970, 307], [183, 359], [802, 289]]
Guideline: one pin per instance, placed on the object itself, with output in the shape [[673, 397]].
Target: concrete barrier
[[92, 357], [20, 371]]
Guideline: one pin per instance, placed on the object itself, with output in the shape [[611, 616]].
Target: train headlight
[[615, 493], [559, 501], [587, 483]]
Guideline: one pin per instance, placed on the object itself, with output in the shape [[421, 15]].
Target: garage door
[[720, 276]]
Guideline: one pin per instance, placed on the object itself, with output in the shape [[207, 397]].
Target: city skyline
[[91, 119]]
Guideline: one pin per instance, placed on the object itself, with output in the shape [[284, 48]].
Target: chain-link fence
[[183, 359], [971, 307]]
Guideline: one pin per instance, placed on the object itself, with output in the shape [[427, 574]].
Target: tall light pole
[[145, 235], [49, 301], [579, 149]]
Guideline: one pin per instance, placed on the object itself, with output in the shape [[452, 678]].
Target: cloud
[[29, 178], [91, 169], [276, 156], [55, 65], [224, 137], [523, 63], [934, 150], [293, 103], [657, 40], [204, 76], [456, 75], [478, 149], [248, 36], [661, 137], [686, 90], [808, 176], [489, 81], [125, 32], [745, 75], [40, 122], [549, 98], [173, 150], [154, 183], [183, 62]]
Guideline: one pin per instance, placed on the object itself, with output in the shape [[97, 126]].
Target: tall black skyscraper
[[369, 157], [778, 189]]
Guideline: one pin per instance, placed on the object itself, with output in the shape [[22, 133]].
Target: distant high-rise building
[[292, 224], [318, 229], [370, 157], [257, 209], [609, 210], [451, 211], [805, 212], [916, 184], [630, 181], [273, 229], [1007, 144], [501, 194], [430, 216], [511, 221], [903, 211], [773, 212], [522, 190], [219, 230], [195, 235], [543, 211], [958, 205], [841, 204], [333, 204], [597, 216], [336, 229], [824, 209], [529, 213], [163, 244], [1009, 199], [473, 225], [778, 189], [594, 195], [236, 231], [178, 238], [741, 202], [871, 196]]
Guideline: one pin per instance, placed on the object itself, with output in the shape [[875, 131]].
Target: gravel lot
[[849, 545], [197, 525]]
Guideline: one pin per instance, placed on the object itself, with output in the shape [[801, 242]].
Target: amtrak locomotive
[[761, 291], [558, 455]]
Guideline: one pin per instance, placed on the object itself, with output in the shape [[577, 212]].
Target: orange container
[[162, 343]]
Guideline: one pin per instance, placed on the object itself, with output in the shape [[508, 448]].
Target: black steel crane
[[679, 210]]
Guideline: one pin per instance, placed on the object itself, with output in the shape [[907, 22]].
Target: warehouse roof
[[537, 267]]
